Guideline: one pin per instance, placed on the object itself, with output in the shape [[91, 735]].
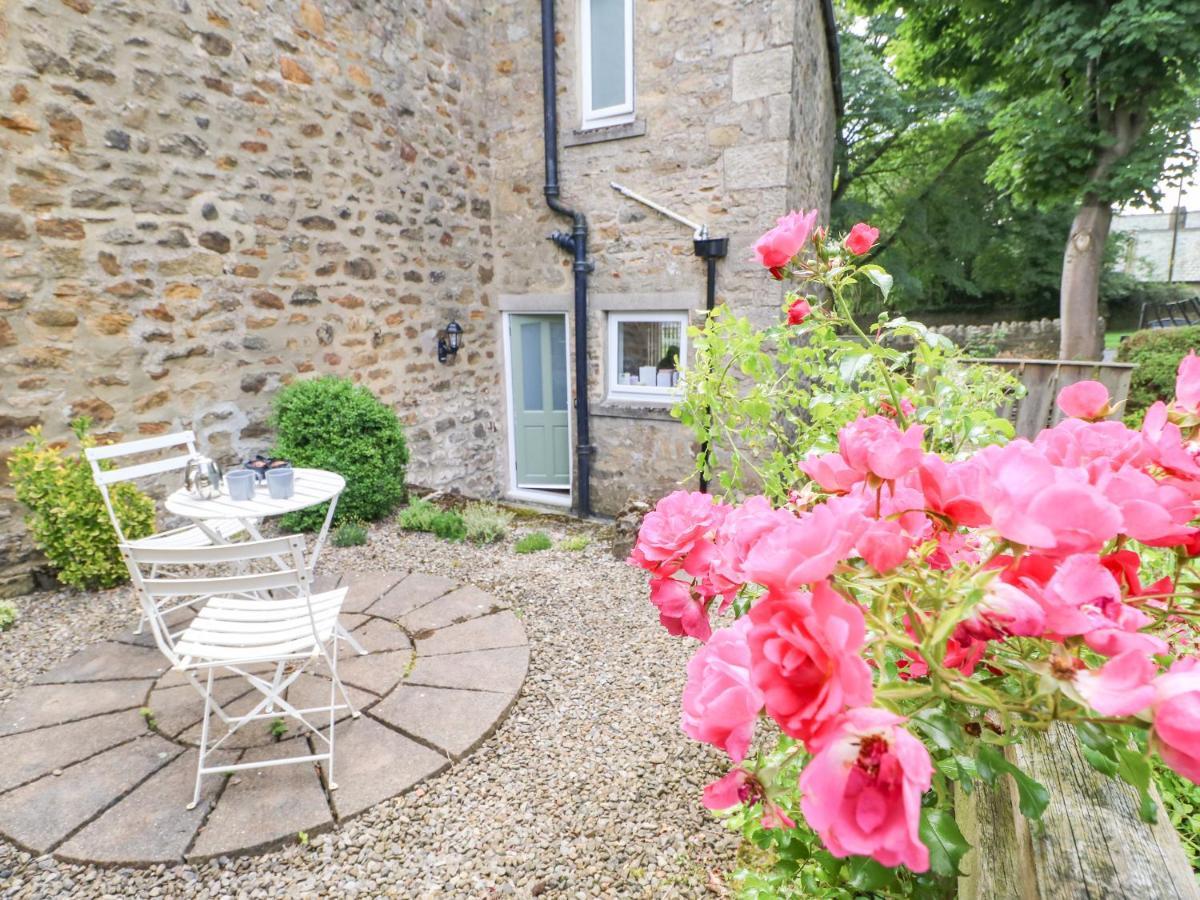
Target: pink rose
[[679, 610], [906, 407], [777, 247], [862, 237], [1177, 717], [741, 529], [1084, 400], [805, 654], [1187, 384], [831, 472], [952, 489], [677, 534], [720, 702], [741, 787], [1153, 512], [800, 551], [798, 311], [862, 790], [1121, 687], [884, 545], [873, 445], [1005, 611]]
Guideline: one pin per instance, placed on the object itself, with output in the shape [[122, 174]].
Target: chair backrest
[[173, 577], [106, 476]]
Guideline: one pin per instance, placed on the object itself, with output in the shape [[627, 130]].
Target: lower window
[[646, 353]]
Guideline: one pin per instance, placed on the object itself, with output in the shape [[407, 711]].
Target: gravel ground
[[587, 789]]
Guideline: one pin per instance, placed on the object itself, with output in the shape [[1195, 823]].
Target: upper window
[[607, 62], [646, 352]]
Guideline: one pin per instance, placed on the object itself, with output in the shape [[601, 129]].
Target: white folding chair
[[242, 624], [218, 531]]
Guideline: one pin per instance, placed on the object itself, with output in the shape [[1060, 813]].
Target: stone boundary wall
[[1028, 340]]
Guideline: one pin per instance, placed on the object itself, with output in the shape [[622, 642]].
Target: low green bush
[[422, 515], [67, 517], [575, 543], [449, 526], [332, 423], [350, 534], [8, 615], [532, 543], [486, 522], [1157, 352]]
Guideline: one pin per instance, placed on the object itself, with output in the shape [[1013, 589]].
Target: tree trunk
[[1080, 294]]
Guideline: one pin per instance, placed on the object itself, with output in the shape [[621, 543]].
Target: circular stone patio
[[87, 779]]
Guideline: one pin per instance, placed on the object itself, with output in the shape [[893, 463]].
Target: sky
[[1170, 189]]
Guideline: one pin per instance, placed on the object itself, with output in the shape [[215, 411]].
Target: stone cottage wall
[[725, 142], [201, 201]]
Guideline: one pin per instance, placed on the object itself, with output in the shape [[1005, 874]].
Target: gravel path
[[587, 789]]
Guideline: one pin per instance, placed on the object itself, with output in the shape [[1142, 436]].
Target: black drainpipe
[[576, 244], [710, 250]]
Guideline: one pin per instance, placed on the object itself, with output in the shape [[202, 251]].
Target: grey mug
[[280, 483], [240, 484]]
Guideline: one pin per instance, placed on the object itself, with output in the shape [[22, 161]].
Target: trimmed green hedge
[[1157, 352], [332, 423]]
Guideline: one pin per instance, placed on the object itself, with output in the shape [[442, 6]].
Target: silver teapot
[[202, 477]]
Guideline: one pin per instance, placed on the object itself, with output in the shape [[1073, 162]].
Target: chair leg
[[334, 683], [203, 740]]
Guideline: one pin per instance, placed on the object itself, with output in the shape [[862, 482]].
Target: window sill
[[657, 409], [582, 136]]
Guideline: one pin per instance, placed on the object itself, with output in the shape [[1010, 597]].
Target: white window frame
[[625, 392], [621, 113]]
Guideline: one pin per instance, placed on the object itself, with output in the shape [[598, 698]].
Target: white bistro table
[[312, 488]]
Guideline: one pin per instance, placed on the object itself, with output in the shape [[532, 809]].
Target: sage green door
[[538, 344]]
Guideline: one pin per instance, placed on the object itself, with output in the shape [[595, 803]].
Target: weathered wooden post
[[1090, 844]]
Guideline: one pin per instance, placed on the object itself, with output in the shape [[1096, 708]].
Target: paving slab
[[175, 619], [413, 592], [501, 629], [379, 636], [177, 709], [35, 753], [468, 602], [264, 807], [107, 661], [326, 582], [152, 824], [365, 590], [252, 734], [42, 813], [375, 672], [313, 690], [52, 704], [500, 671], [375, 763], [455, 720]]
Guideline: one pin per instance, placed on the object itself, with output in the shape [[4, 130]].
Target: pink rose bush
[[898, 587]]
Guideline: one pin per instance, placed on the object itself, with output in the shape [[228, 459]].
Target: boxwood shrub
[[1157, 352], [331, 423]]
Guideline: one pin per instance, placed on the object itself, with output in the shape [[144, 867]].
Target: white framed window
[[606, 62], [646, 354]]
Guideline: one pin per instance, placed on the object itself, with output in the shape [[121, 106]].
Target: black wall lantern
[[449, 341]]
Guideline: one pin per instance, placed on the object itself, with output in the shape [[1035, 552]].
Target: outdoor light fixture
[[449, 341]]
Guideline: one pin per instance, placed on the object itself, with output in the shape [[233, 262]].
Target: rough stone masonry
[[201, 200]]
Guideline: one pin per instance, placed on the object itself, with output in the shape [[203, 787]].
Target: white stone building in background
[[1160, 247], [202, 201]]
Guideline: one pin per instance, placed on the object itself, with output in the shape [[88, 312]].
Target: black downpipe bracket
[[709, 250], [575, 243]]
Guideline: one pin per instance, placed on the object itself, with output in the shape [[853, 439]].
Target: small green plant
[[486, 522], [533, 542], [278, 728], [67, 516], [575, 543], [8, 615], [332, 423], [350, 534], [147, 715], [302, 837], [1157, 352], [418, 516], [449, 526]]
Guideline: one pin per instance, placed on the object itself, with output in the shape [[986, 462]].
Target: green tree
[[1089, 102], [913, 159]]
